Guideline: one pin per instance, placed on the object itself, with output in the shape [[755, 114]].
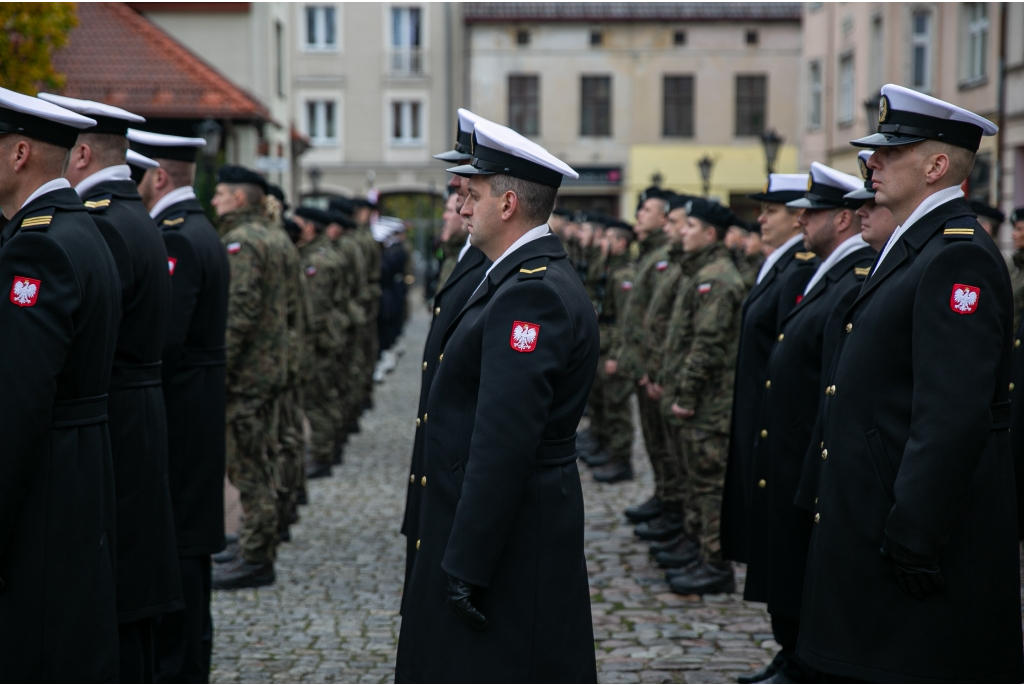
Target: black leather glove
[[460, 594], [916, 574]]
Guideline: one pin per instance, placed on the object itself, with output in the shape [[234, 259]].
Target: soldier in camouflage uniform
[[699, 368], [453, 235], [370, 338], [744, 243], [1017, 268], [611, 416], [323, 269], [257, 368]]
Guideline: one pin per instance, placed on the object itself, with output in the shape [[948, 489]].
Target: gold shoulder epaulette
[[862, 270], [804, 256], [97, 204], [958, 232], [37, 221], [533, 271], [172, 222]]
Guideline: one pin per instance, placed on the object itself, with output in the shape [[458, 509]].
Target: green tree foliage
[[29, 34]]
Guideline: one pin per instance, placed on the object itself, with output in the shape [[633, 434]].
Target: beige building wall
[[364, 76], [638, 56]]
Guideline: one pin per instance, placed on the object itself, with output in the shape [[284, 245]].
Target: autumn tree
[[29, 34]]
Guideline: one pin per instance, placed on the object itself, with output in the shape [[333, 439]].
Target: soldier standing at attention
[[613, 417], [628, 359], [499, 587], [697, 381], [762, 311], [58, 621], [1017, 408], [789, 407], [363, 210], [257, 367], [148, 579], [915, 495], [448, 302], [194, 394]]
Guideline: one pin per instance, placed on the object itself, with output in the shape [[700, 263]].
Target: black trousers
[[184, 639], [136, 651], [786, 630]]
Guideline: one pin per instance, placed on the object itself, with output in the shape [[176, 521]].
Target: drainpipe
[[1001, 105]]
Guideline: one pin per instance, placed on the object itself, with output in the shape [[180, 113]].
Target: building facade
[[634, 93]]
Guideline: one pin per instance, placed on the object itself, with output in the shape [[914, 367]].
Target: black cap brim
[[885, 140], [860, 194], [779, 196], [453, 156], [468, 170], [806, 203]]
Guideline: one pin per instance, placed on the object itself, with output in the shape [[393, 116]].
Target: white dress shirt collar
[[770, 260], [928, 204], [118, 172], [172, 198], [49, 186], [465, 248], [528, 237], [848, 246]]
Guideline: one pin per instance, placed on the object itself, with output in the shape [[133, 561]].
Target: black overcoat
[[763, 309], [193, 376], [503, 505], [448, 302], [918, 450], [1017, 422], [789, 407], [148, 582], [58, 621]]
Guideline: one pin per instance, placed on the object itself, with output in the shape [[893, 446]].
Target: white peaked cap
[[498, 149], [133, 158], [907, 100], [91, 108], [467, 120], [464, 126], [866, 191], [826, 189], [40, 119], [777, 182], [828, 176], [163, 140]]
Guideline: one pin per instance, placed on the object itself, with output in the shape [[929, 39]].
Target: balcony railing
[[406, 62]]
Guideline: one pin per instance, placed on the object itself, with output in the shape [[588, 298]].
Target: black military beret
[[678, 201], [317, 216], [293, 230], [563, 212], [709, 212], [362, 202], [984, 209], [1017, 215], [342, 204], [340, 218], [231, 173]]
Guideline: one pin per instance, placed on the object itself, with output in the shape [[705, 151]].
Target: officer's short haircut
[[719, 231], [54, 157], [107, 148], [961, 160], [535, 199], [181, 173], [253, 193]]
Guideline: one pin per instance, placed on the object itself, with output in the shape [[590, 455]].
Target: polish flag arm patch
[[25, 291], [704, 288], [524, 336], [661, 266], [964, 299], [311, 271], [627, 285], [234, 248], [171, 263]]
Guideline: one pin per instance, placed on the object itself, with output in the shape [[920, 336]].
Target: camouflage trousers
[[323, 409], [291, 472], [704, 456], [371, 341], [350, 369], [251, 455], [653, 428], [611, 418]]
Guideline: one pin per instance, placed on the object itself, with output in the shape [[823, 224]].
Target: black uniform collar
[[469, 261], [125, 190], [838, 270], [65, 199], [546, 246], [777, 267], [190, 206]]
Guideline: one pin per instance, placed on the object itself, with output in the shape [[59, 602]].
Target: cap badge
[[964, 299], [863, 167], [171, 263], [767, 185], [524, 336], [810, 182], [24, 291], [883, 109]]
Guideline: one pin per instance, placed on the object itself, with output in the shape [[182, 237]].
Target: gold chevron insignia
[[173, 222], [533, 271], [958, 231], [862, 270], [37, 221], [96, 204], [804, 256]]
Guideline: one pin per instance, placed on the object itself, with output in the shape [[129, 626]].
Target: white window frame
[[815, 95], [974, 65], [408, 109], [923, 41], [316, 129], [319, 43], [405, 59], [846, 78]]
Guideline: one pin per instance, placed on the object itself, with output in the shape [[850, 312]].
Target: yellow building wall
[[737, 168]]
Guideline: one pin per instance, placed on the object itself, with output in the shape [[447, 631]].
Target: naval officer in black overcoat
[[194, 392], [448, 302], [58, 620], [913, 571], [792, 393], [499, 589], [763, 308], [148, 580]]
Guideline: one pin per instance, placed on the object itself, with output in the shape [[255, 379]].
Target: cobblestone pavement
[[332, 615]]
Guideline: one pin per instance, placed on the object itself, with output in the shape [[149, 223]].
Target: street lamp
[[704, 164], [656, 179], [871, 112], [314, 178], [771, 141], [210, 130]]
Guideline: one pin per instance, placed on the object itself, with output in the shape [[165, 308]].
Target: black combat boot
[[318, 471], [599, 458], [241, 573], [683, 554], [230, 553], [638, 513], [613, 472], [665, 545], [708, 578], [666, 526]]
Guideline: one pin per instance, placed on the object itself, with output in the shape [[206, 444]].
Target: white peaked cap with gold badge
[[498, 149]]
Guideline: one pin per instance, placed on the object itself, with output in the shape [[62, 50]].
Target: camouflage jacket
[[371, 253], [595, 268], [703, 340], [613, 289], [300, 309], [1017, 281], [659, 309], [356, 281], [257, 326], [325, 279], [631, 349], [451, 249], [749, 265]]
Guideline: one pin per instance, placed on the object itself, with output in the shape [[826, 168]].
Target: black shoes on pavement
[[240, 573], [683, 554], [765, 673], [613, 472], [231, 552], [703, 578], [318, 471], [638, 513], [666, 526], [594, 459], [666, 545]]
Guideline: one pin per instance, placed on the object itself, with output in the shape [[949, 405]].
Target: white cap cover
[[109, 119], [39, 119], [133, 158], [498, 149]]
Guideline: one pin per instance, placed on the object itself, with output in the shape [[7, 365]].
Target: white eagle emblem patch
[[25, 291], [524, 336], [172, 262], [964, 299]]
